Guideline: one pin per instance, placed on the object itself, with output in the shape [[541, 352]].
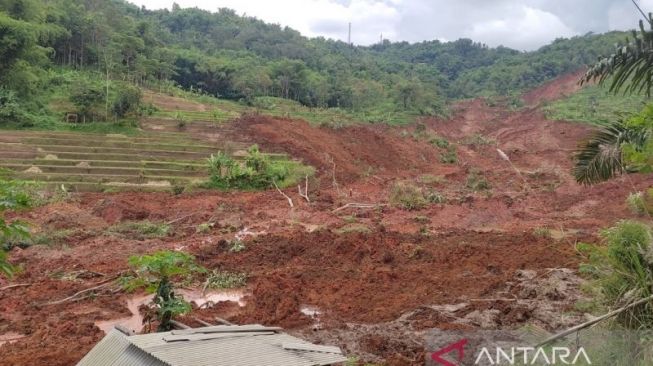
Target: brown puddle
[[135, 321]]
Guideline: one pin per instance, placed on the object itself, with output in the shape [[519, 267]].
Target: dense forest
[[113, 46]]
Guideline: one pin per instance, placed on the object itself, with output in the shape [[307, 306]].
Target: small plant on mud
[[156, 273], [433, 196], [622, 271], [439, 142], [407, 196], [641, 203], [181, 120], [479, 140], [13, 196], [477, 182], [178, 189], [543, 232], [204, 228], [141, 230], [225, 280], [450, 156], [237, 246]]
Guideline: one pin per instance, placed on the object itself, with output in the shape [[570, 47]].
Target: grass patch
[[140, 230], [622, 271], [407, 196], [477, 182], [353, 228], [450, 156], [594, 105], [225, 280], [641, 203], [543, 232], [430, 179], [479, 140]]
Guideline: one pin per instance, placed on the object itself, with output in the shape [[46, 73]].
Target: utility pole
[[349, 37]]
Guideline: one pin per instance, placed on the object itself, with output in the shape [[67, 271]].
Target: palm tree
[[629, 69]]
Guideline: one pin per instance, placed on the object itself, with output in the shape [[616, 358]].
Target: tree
[[128, 100], [156, 273], [85, 96], [627, 145]]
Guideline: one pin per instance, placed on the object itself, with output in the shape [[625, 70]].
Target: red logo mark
[[459, 346]]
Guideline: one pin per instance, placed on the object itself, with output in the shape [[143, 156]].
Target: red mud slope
[[378, 277]]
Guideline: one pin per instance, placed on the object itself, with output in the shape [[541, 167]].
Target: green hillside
[[93, 57]]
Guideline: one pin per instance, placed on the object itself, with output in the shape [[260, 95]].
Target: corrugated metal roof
[[115, 350], [211, 346]]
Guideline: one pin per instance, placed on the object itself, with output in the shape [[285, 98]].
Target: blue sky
[[524, 25]]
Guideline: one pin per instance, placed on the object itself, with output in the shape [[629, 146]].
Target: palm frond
[[630, 68], [600, 158]]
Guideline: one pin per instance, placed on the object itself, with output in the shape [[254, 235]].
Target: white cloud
[[524, 24], [525, 28]]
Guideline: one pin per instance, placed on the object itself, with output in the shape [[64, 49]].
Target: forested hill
[[242, 58]]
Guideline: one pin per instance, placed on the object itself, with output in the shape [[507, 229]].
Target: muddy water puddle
[[135, 321]]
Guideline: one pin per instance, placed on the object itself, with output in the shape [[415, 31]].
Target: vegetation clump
[[225, 280], [13, 196], [477, 182], [141, 230], [407, 196], [257, 172], [450, 156], [155, 273], [622, 270], [641, 203]]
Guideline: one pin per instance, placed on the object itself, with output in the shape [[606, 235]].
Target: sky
[[519, 24]]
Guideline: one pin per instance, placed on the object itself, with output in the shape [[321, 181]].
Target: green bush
[[407, 196], [257, 172], [641, 203], [10, 110], [477, 182], [127, 101], [13, 196], [622, 270], [450, 156], [85, 96]]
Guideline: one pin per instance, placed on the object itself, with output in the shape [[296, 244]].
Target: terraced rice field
[[93, 162]]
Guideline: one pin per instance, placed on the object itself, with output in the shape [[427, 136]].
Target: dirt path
[[370, 281]]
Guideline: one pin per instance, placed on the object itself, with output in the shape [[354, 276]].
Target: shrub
[[439, 142], [641, 203], [156, 273], [433, 196], [257, 172], [13, 196], [85, 96], [450, 156], [10, 110], [622, 270], [127, 101], [407, 196], [477, 182], [543, 232]]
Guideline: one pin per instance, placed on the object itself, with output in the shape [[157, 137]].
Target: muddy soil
[[371, 281]]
